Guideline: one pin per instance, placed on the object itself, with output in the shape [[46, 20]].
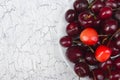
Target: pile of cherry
[[93, 38]]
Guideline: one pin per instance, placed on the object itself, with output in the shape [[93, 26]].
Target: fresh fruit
[[70, 15], [86, 19], [81, 69], [110, 26], [73, 29], [89, 36], [66, 41], [107, 65], [102, 53], [96, 6], [117, 62], [98, 74], [93, 38], [74, 53], [80, 5], [117, 15], [90, 58], [111, 3], [115, 75], [105, 12]]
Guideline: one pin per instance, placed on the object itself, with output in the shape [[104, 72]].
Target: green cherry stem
[[91, 49]]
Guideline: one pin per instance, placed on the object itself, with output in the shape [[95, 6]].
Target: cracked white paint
[[28, 40]]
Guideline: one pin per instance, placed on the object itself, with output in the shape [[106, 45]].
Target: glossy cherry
[[110, 26], [98, 74], [96, 6], [115, 75], [70, 15], [117, 62], [111, 3], [74, 53], [80, 5], [107, 65], [102, 53], [86, 19], [72, 29], [66, 41], [81, 69], [105, 12], [89, 36]]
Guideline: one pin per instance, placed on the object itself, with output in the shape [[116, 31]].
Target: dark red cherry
[[74, 53], [110, 26], [66, 41], [73, 29], [90, 58], [81, 69], [113, 4], [107, 65], [117, 15], [117, 43], [115, 50], [115, 75], [70, 15], [86, 19], [96, 6], [98, 74], [80, 5], [105, 12], [117, 62]]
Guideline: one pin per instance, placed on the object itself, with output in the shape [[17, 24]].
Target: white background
[[28, 40]]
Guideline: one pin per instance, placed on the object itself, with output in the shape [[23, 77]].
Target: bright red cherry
[[89, 36], [105, 12], [102, 53]]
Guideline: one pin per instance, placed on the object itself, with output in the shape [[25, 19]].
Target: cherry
[[117, 62], [105, 12], [115, 75], [90, 58], [107, 65], [80, 5], [97, 22], [115, 50], [86, 19], [110, 26], [73, 29], [89, 36], [117, 43], [96, 6], [81, 69], [117, 15], [112, 4], [98, 74], [66, 41], [70, 15], [74, 53], [102, 53]]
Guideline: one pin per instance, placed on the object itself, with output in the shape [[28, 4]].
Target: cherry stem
[[87, 46], [91, 49], [113, 36], [91, 4], [108, 67], [116, 9], [79, 78], [102, 35], [104, 40], [93, 75]]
